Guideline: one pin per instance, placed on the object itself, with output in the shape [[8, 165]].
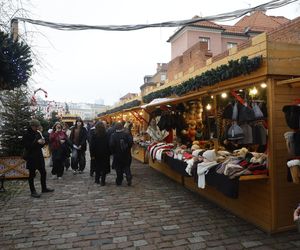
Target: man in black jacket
[[120, 146], [33, 142]]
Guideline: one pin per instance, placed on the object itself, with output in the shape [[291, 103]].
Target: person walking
[[59, 148], [99, 151], [78, 139], [33, 142], [120, 146], [66, 129]]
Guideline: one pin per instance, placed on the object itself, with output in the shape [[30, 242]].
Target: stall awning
[[157, 102], [172, 100]]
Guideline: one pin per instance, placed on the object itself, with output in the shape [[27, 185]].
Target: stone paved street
[[154, 213]]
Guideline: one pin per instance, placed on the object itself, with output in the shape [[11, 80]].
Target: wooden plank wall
[[286, 194], [253, 203], [166, 170], [283, 58], [138, 153]]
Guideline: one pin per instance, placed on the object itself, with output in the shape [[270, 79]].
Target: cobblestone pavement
[[153, 213]]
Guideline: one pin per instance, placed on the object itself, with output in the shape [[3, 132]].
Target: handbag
[[257, 111]]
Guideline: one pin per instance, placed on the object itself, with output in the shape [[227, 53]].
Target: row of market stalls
[[221, 131]]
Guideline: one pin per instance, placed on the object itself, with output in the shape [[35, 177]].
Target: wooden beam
[[253, 177], [292, 81]]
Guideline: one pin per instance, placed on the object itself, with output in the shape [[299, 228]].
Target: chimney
[[158, 68]]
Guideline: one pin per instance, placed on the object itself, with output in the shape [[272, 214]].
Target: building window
[[231, 45], [205, 39], [163, 77]]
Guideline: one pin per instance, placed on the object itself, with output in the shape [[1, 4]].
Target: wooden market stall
[[138, 118], [268, 201]]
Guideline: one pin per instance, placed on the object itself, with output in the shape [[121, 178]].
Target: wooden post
[[14, 29]]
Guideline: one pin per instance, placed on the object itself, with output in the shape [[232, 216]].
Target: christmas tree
[[15, 63], [15, 115]]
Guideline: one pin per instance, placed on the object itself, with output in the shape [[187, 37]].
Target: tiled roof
[[208, 24], [233, 29], [259, 21], [129, 95]]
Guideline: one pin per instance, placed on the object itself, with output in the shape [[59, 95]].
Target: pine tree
[[15, 115]]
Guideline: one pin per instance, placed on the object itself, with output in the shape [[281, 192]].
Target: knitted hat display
[[241, 152], [197, 152], [210, 155], [235, 132], [293, 163], [195, 146], [294, 170]]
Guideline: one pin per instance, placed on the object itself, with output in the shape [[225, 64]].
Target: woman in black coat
[[100, 154], [33, 142]]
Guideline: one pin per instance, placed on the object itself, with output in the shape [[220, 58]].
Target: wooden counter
[[139, 153]]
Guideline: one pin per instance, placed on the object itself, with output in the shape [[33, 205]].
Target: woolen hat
[[210, 155], [34, 123]]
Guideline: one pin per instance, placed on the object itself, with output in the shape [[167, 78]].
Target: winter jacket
[[120, 156], [82, 137], [99, 150], [59, 150], [35, 158]]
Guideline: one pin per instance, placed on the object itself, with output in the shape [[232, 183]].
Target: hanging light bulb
[[224, 95], [253, 91], [263, 85], [208, 107], [212, 97]]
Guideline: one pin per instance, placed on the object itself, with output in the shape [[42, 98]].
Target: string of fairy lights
[[220, 17]]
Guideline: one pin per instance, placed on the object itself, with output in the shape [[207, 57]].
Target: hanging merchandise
[[228, 112], [248, 135], [246, 113], [258, 114], [154, 132], [235, 132], [235, 112]]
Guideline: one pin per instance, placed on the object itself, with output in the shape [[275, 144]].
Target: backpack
[[123, 145]]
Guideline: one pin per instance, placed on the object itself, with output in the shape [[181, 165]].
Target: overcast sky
[[82, 66]]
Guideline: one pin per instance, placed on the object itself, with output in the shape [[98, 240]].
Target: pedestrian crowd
[[68, 148]]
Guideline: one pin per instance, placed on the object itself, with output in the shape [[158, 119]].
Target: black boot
[[35, 194], [47, 190], [103, 180], [129, 181]]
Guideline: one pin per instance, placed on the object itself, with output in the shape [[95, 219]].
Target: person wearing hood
[[33, 142], [120, 146]]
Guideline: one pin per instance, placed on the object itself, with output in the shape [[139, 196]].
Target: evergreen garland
[[15, 63], [14, 116], [234, 68], [122, 107]]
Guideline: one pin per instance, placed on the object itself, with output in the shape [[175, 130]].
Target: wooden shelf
[[253, 177]]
